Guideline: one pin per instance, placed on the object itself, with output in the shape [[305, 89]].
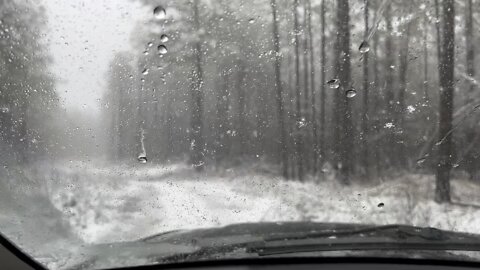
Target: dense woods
[[365, 89], [283, 85], [27, 96], [125, 119]]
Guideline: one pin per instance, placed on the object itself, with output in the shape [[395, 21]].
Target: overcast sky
[[83, 36]]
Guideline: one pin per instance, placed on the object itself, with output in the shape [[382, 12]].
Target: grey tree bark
[[366, 95], [323, 63], [298, 113], [197, 142], [282, 145], [446, 147], [343, 115], [401, 108], [313, 89]]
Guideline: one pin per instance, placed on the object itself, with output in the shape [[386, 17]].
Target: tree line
[[368, 89], [28, 100]]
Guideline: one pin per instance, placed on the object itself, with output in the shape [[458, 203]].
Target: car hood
[[232, 242]]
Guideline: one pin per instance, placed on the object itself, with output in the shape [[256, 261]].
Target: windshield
[[120, 120]]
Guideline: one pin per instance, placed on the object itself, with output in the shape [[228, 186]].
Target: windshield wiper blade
[[395, 231], [388, 237], [393, 237], [359, 245]]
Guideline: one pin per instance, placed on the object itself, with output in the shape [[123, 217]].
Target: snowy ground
[[80, 203], [125, 203]]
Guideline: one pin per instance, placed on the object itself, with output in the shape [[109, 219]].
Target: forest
[[223, 112], [28, 100], [369, 89], [366, 89]]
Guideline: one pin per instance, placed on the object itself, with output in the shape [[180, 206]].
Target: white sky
[[83, 36]]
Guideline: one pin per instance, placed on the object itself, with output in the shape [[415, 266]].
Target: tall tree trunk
[[401, 108], [282, 144], [376, 99], [470, 48], [470, 69], [344, 126], [313, 88], [446, 147], [426, 96], [439, 34], [290, 115], [366, 96], [306, 89], [169, 125], [197, 140], [222, 126], [389, 84], [241, 123], [298, 112], [323, 63]]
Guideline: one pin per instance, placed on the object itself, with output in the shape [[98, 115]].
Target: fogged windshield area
[[123, 119]]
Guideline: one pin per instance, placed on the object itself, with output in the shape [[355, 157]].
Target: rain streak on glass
[[334, 83], [162, 49], [159, 13]]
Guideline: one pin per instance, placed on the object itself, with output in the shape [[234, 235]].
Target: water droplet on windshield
[[142, 158], [145, 71], [351, 93], [162, 49], [301, 123], [159, 13], [380, 205], [334, 83], [389, 125], [163, 38], [364, 47]]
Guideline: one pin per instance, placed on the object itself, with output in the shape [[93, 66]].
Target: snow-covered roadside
[[30, 221], [122, 203]]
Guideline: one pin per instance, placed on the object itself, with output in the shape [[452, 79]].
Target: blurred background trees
[[28, 100], [306, 86]]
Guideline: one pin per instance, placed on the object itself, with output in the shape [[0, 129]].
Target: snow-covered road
[[121, 204]]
